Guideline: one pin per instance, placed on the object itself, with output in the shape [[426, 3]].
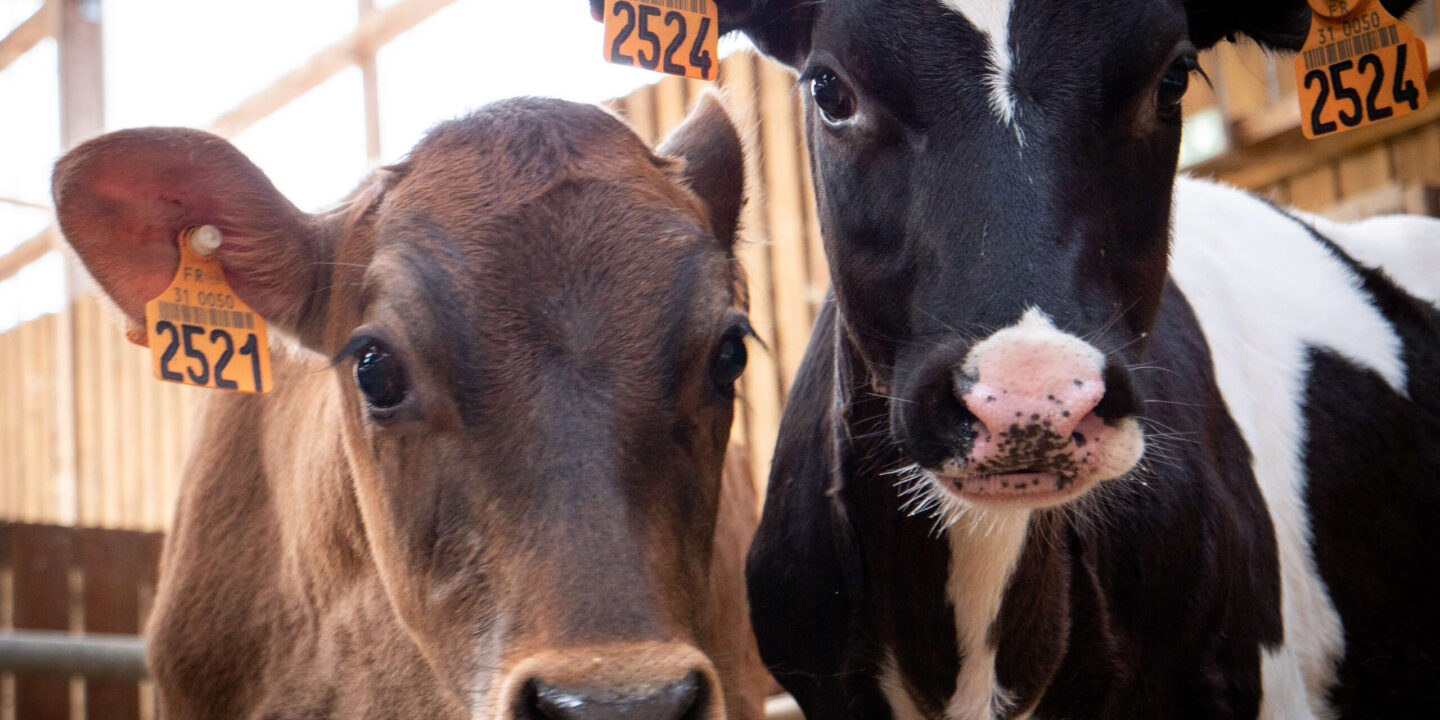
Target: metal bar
[[93, 655]]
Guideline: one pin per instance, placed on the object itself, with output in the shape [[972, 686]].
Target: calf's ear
[[780, 28], [714, 162], [1276, 24], [123, 198]]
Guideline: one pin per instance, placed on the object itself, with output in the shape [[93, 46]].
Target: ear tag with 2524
[[679, 37], [1359, 66], [200, 332]]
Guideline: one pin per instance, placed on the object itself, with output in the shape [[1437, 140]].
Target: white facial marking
[[992, 18], [1036, 328], [1265, 292], [984, 549]]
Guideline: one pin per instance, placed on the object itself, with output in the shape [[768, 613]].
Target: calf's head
[[535, 324], [994, 182]]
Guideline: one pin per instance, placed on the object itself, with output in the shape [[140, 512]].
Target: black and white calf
[[1043, 460]]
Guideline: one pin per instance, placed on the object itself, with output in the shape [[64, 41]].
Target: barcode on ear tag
[[1359, 66], [678, 37], [202, 334]]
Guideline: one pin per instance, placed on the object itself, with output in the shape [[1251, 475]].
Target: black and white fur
[[1006, 164]]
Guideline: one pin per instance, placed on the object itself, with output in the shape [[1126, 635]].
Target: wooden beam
[[23, 203], [371, 82], [374, 30], [1292, 154], [28, 252], [27, 35], [82, 70], [82, 116]]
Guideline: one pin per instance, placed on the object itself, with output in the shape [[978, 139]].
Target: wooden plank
[[1202, 95], [373, 31], [111, 563], [86, 397], [23, 203], [41, 557], [27, 252], [1314, 190], [41, 393], [131, 437], [1278, 193], [1394, 198], [640, 113], [1416, 155], [369, 80], [107, 372], [785, 220], [669, 105], [12, 416], [1365, 171], [32, 435], [27, 35], [1293, 154], [1246, 89], [82, 71], [760, 388]]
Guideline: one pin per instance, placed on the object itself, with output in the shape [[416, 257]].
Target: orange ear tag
[[200, 332], [1359, 66], [679, 37]]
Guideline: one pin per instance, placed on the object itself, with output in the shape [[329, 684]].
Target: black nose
[[684, 700]]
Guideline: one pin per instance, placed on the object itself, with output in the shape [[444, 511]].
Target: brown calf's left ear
[[714, 162], [123, 198]]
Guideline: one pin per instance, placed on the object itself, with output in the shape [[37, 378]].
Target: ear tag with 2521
[[679, 37], [1359, 66], [200, 332]]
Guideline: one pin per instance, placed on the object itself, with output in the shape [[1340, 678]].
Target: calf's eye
[[379, 376], [729, 361], [1173, 86], [832, 96]]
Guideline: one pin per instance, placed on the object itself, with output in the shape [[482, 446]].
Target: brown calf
[[488, 483]]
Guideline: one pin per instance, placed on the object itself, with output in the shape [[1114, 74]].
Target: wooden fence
[[75, 580], [126, 435]]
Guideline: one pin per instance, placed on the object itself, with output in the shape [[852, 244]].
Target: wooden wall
[[77, 580], [130, 431]]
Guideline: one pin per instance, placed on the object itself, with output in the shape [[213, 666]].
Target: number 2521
[[647, 24]]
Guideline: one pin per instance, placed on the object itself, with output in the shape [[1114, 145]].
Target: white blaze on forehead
[[992, 19]]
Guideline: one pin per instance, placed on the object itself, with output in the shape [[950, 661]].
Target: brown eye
[[379, 376], [1173, 86], [730, 359], [832, 96]]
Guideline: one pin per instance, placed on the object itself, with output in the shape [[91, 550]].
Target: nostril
[[683, 700], [1119, 399]]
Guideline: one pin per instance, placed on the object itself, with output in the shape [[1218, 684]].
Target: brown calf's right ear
[[123, 198], [714, 157]]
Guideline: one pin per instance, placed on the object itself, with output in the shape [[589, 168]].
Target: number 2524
[[643, 22]]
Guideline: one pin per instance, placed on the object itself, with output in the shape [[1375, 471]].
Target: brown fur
[[547, 504]]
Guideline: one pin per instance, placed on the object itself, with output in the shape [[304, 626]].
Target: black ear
[[1276, 24], [780, 28], [714, 158]]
